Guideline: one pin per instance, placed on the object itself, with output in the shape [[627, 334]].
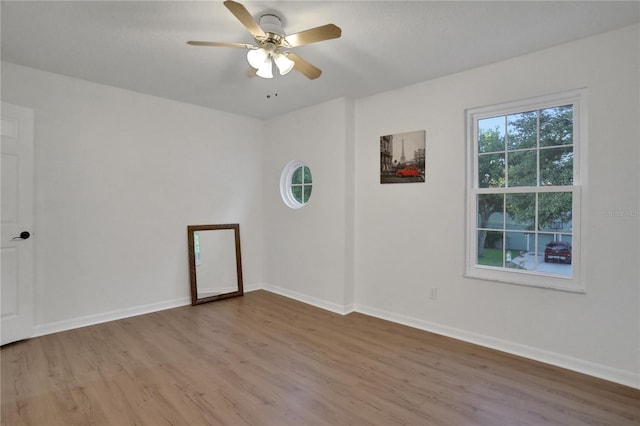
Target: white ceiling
[[141, 45]]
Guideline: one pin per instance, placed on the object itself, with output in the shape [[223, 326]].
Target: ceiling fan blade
[[243, 15], [220, 44], [251, 72], [325, 32], [304, 67]]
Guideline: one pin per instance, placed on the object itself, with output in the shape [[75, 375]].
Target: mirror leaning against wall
[[215, 264]]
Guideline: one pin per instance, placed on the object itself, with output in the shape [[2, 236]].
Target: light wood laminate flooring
[[263, 359]]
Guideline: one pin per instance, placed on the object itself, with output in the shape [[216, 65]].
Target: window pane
[[522, 130], [296, 192], [490, 208], [296, 178], [556, 166], [491, 133], [522, 168], [307, 192], [491, 170], [490, 248], [521, 210], [555, 211], [307, 175], [516, 250], [556, 126], [557, 255]]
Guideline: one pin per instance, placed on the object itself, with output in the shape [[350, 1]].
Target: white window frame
[[285, 184], [575, 282]]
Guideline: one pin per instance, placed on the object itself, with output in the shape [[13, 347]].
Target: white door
[[17, 219]]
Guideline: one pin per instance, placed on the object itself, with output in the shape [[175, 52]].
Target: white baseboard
[[69, 324], [570, 363], [351, 307], [252, 287], [626, 378], [582, 366], [328, 306], [559, 360]]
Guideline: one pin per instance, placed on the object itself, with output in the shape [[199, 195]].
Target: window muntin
[[301, 184], [523, 192], [296, 184]]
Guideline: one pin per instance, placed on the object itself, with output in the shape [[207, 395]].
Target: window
[[523, 189], [296, 184]]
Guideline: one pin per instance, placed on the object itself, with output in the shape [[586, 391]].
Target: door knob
[[24, 235]]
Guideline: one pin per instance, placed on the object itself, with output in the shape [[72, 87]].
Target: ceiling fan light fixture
[[283, 63], [257, 57], [265, 70], [270, 38]]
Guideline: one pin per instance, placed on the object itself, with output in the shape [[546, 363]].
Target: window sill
[[537, 280]]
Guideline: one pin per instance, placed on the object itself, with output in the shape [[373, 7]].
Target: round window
[[296, 184]]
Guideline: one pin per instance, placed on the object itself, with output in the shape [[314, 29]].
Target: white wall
[[410, 238], [308, 252], [119, 176]]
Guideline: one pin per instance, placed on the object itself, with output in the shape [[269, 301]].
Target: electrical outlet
[[433, 294]]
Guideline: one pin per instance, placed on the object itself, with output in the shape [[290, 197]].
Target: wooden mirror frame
[[192, 262]]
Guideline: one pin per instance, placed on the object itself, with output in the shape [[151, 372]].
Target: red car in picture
[[408, 171], [557, 251]]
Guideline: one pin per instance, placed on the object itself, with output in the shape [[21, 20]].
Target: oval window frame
[[285, 184]]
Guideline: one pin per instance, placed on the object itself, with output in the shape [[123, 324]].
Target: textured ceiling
[[141, 45]]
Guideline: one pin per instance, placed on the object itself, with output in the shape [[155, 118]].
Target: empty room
[[320, 213]]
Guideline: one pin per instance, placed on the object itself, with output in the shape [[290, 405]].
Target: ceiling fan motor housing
[[272, 26]]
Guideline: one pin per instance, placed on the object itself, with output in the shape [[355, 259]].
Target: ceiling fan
[[272, 43]]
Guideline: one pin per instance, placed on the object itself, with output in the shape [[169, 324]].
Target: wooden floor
[[263, 359]]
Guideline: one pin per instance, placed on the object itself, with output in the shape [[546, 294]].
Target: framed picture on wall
[[402, 157]]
